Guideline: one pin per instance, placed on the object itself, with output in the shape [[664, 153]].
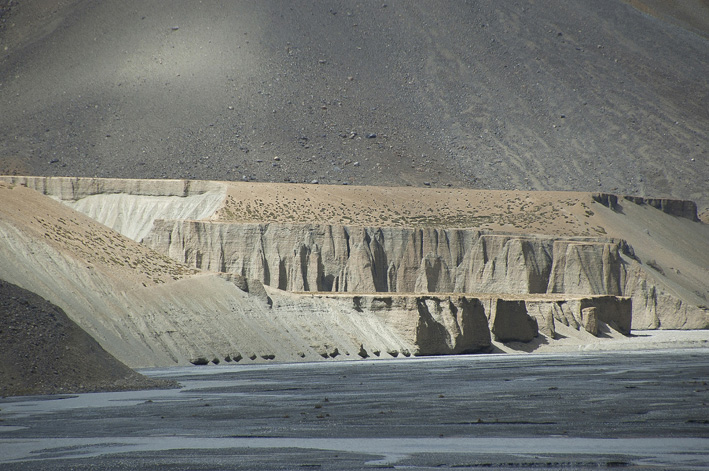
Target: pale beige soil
[[95, 245], [572, 340], [544, 212]]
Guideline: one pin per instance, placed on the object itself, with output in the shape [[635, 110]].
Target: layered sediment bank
[[175, 272]]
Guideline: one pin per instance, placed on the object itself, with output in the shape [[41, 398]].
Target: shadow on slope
[[42, 351]]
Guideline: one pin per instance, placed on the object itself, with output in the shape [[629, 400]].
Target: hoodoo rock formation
[[427, 260], [393, 259], [233, 272]]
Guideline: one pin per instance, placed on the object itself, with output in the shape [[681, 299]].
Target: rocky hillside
[[565, 95]]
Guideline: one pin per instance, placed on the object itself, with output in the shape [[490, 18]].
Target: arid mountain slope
[[563, 95], [689, 14]]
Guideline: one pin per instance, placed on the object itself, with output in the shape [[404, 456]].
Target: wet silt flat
[[495, 411]]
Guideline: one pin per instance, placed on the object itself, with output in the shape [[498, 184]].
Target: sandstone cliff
[[680, 208]]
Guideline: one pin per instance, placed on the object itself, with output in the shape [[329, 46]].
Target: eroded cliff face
[[405, 260], [440, 325], [226, 318], [453, 324], [316, 258], [657, 306], [186, 220], [149, 310], [130, 206]]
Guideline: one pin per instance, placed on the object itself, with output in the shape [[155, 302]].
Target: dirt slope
[[567, 95], [45, 352], [530, 212]]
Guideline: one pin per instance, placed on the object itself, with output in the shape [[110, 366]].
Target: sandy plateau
[[173, 272]]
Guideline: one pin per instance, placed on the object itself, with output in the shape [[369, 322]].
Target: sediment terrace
[[215, 271]]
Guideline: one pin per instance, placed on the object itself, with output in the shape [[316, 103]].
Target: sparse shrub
[[652, 263]]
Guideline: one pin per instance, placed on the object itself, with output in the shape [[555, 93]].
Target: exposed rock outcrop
[[441, 325], [655, 306], [359, 260], [680, 208], [587, 267], [589, 318], [505, 264], [616, 311], [509, 321], [131, 206], [606, 199], [185, 220], [76, 188]]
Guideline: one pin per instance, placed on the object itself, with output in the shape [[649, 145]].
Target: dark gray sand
[[42, 351], [567, 95]]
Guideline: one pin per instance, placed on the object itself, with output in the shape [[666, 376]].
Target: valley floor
[[645, 410]]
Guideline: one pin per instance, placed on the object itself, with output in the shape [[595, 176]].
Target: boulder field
[[166, 272]]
